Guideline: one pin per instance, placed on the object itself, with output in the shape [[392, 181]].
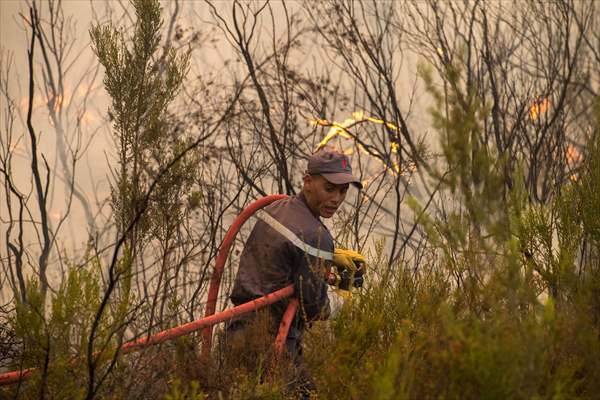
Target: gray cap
[[333, 166]]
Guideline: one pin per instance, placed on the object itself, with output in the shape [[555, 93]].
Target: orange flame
[[538, 107], [574, 158], [61, 100]]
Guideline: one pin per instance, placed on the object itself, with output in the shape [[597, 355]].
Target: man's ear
[[307, 180]]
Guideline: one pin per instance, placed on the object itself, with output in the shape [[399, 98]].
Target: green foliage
[[472, 172], [243, 365], [504, 303], [55, 340], [413, 339], [189, 391], [142, 80], [249, 386]]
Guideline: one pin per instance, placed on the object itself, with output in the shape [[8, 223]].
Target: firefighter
[[290, 244]]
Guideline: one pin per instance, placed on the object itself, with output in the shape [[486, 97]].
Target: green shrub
[[504, 303], [55, 337]]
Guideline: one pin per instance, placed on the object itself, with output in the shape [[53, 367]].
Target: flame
[[87, 118], [358, 115], [61, 100], [538, 107], [574, 158], [336, 129], [341, 129], [37, 102], [45, 99]]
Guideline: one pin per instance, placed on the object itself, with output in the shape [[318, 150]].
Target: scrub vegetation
[[505, 303], [474, 125]]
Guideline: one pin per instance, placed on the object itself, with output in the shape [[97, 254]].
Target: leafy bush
[[55, 337], [503, 305]]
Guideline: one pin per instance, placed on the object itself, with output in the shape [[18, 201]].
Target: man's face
[[322, 196]]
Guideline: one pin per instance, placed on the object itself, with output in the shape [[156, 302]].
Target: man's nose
[[339, 196]]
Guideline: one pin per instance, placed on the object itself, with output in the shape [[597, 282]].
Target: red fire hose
[[181, 330], [215, 281], [284, 326], [210, 318]]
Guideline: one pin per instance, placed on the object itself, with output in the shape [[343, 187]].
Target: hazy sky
[[91, 174], [93, 170]]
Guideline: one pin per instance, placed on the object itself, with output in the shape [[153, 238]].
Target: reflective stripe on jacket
[[287, 245]]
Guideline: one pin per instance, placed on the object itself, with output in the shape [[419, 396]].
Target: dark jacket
[[287, 245]]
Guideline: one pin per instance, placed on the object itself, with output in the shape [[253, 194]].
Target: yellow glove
[[350, 260], [350, 266]]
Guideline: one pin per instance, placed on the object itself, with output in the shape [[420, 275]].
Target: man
[[290, 244]]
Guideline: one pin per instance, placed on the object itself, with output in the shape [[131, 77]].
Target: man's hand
[[349, 259], [351, 267]]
